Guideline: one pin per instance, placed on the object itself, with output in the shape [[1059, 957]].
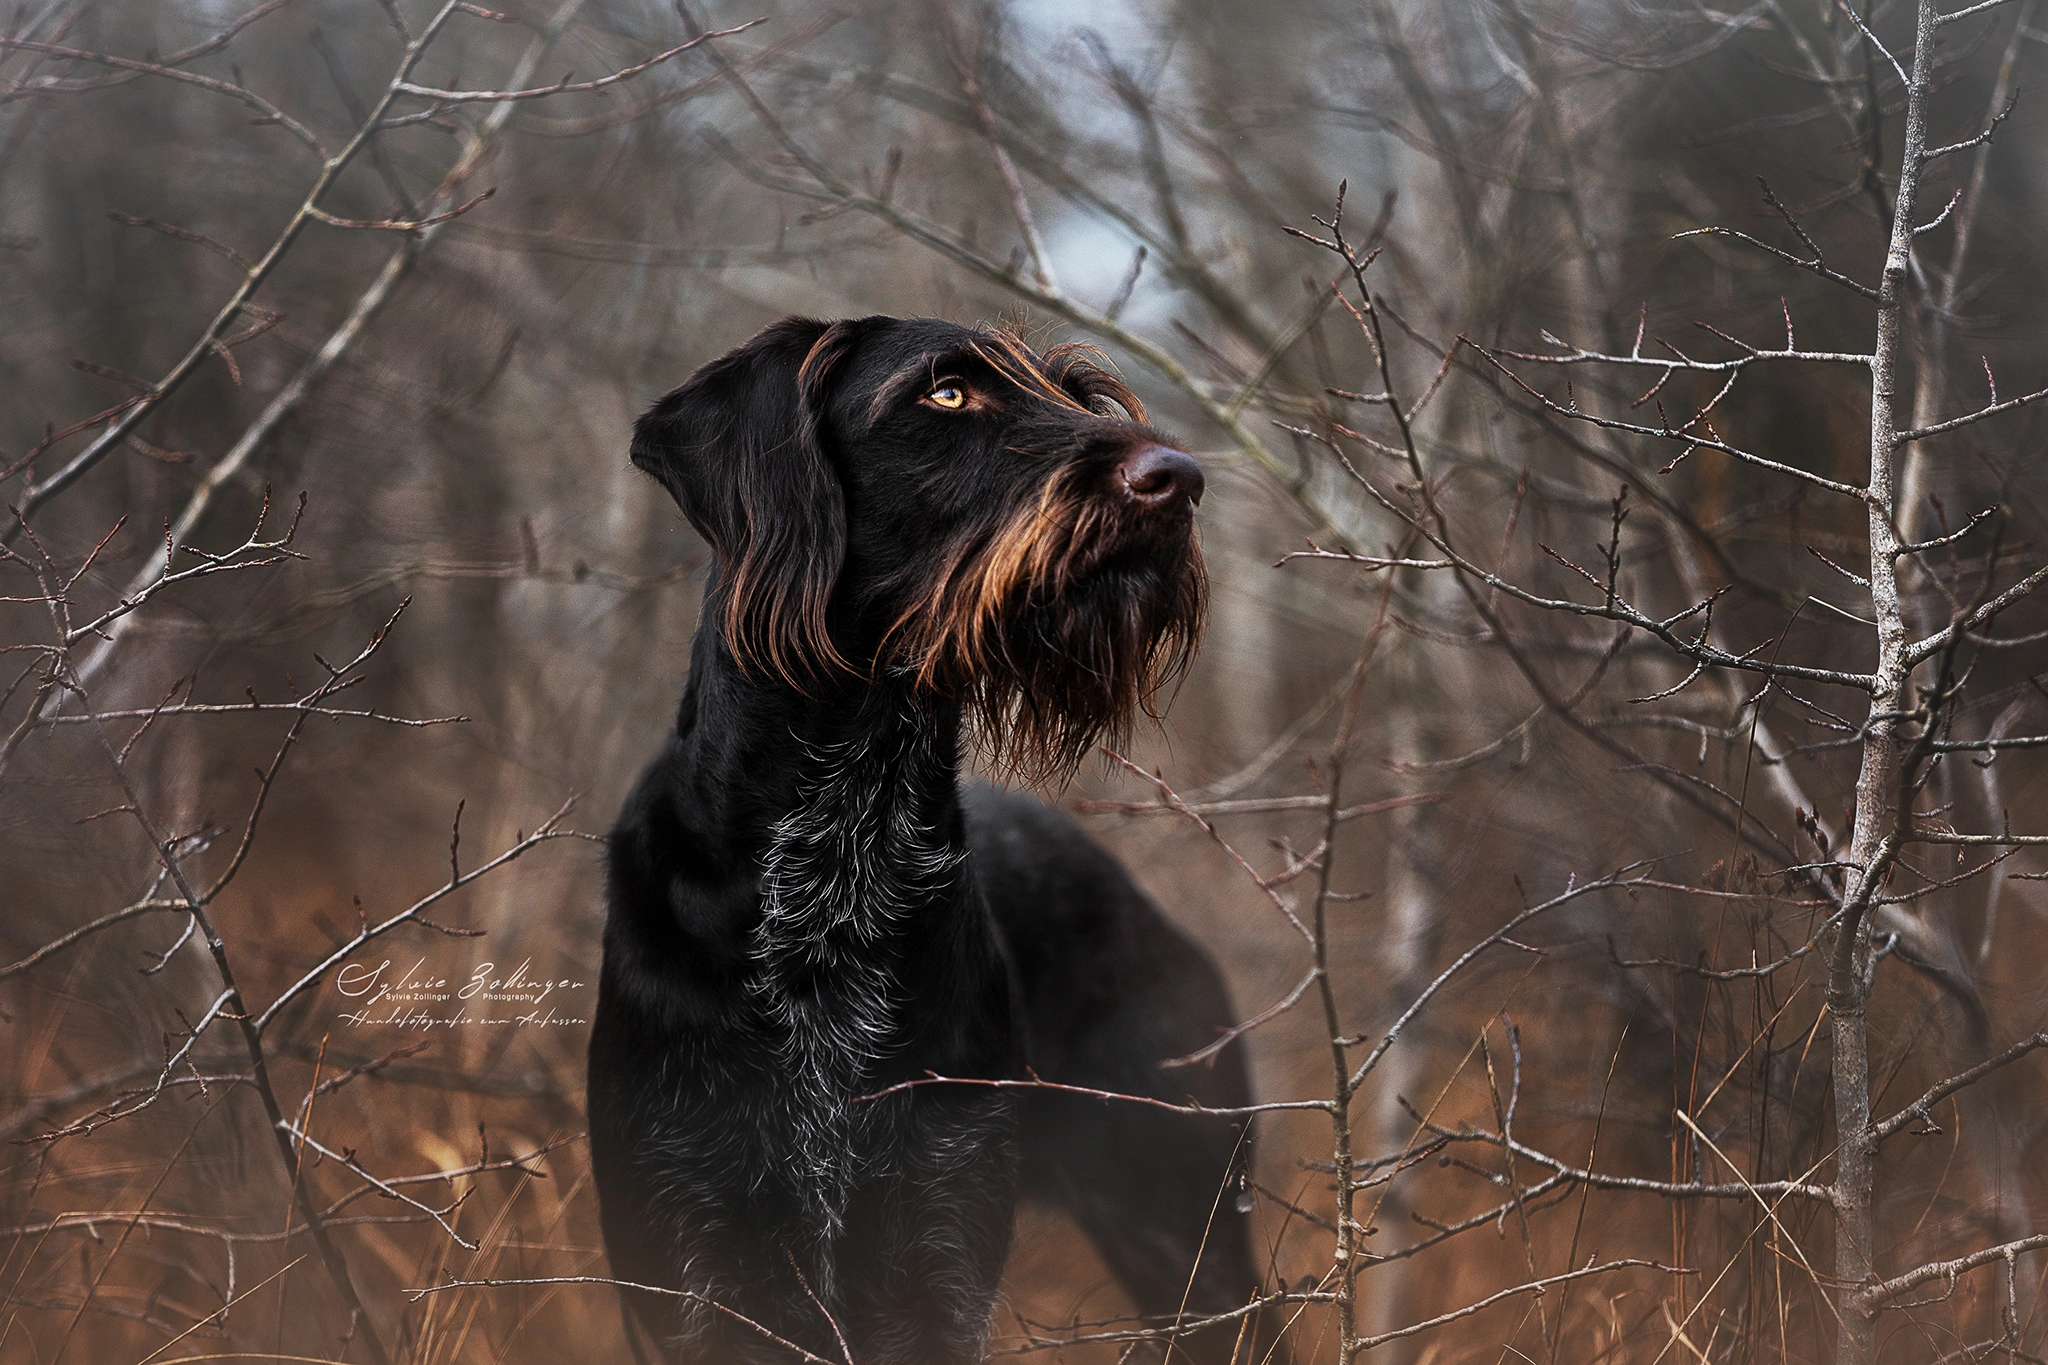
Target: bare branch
[[1981, 139], [565, 86], [1949, 1270], [1615, 880], [1933, 644], [1150, 1102], [185, 235], [1237, 1031], [400, 224], [549, 829], [270, 112], [1529, 1287], [1020, 204], [348, 1161], [58, 945], [1980, 7], [1992, 410], [1816, 266], [1682, 433], [1919, 1109], [801, 1354]]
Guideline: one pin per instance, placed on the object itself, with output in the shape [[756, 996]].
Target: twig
[[1151, 1102], [415, 1295]]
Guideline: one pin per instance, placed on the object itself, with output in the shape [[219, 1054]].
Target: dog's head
[[945, 506]]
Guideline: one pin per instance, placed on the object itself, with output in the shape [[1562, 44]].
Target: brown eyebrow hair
[[1058, 371], [1069, 374], [1085, 367]]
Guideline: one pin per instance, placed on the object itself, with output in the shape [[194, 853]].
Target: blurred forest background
[[452, 396]]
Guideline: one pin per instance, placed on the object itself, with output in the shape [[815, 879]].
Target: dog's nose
[[1158, 476]]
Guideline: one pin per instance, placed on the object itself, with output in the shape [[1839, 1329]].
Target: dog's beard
[[1057, 627]]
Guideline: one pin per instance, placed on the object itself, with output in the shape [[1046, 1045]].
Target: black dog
[[923, 534]]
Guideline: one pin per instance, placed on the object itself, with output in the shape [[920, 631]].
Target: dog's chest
[[848, 884]]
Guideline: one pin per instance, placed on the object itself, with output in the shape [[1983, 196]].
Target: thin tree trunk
[[1878, 788]]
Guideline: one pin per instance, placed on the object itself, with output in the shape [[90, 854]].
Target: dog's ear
[[740, 446]]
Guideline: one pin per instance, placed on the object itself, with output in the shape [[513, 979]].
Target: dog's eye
[[947, 394]]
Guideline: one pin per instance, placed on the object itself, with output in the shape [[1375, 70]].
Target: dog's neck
[[763, 755], [847, 806]]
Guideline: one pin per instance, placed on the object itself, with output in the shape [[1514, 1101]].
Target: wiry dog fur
[[924, 535]]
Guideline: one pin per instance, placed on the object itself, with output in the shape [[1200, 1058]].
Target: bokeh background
[[1525, 167]]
